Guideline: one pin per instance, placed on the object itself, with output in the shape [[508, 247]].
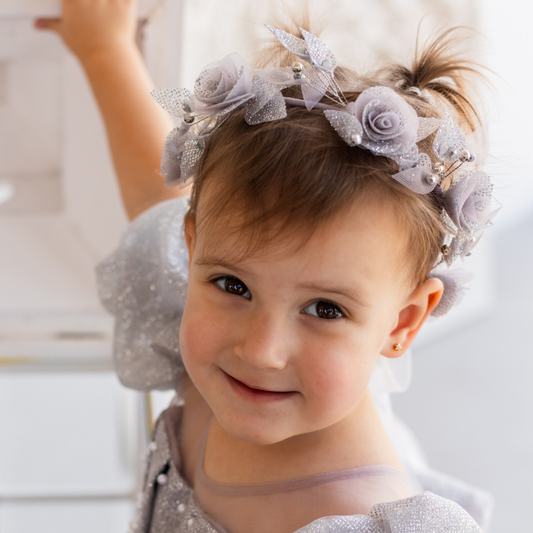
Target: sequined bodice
[[169, 504]]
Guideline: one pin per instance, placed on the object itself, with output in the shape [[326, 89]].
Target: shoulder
[[423, 513], [143, 283]]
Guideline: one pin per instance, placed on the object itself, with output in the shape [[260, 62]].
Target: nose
[[261, 340]]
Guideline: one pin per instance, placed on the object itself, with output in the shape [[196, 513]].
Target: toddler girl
[[321, 203]]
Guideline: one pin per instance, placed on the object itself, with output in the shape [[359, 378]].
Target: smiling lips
[[256, 395]]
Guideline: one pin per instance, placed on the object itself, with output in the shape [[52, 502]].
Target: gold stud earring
[[397, 347]]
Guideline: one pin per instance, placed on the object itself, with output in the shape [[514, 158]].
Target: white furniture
[[71, 436]]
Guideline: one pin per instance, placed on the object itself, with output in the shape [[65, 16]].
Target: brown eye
[[233, 286], [324, 309]]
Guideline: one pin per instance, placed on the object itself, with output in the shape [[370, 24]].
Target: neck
[[356, 441]]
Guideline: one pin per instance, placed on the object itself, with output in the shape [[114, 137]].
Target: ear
[[412, 316], [190, 237]]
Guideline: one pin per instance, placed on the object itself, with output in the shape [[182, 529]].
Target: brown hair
[[287, 177]]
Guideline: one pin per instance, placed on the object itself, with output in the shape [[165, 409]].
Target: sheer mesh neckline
[[271, 487]]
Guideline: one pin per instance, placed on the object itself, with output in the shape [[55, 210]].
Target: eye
[[324, 309], [233, 286]]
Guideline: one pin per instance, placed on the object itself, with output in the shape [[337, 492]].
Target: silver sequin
[[152, 253], [423, 513]]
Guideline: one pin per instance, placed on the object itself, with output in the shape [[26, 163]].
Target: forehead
[[361, 247]]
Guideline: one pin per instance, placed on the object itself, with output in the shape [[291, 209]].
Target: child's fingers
[[48, 24]]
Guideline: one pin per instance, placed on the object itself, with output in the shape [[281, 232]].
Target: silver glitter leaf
[[269, 105], [450, 141], [292, 43], [316, 84], [419, 179], [172, 152], [173, 101], [263, 92], [317, 80], [321, 56], [408, 159], [194, 148], [426, 126], [346, 125]]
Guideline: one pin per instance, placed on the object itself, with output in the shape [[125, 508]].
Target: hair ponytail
[[440, 69]]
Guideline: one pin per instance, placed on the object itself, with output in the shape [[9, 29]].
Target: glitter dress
[[143, 284]]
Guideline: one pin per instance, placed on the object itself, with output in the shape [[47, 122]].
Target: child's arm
[[101, 34]]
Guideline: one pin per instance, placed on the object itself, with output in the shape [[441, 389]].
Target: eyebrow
[[208, 261], [212, 262], [333, 290]]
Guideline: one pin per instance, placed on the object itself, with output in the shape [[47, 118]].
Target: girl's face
[[283, 343]]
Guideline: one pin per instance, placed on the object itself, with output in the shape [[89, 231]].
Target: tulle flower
[[390, 124], [223, 86], [467, 205], [454, 282]]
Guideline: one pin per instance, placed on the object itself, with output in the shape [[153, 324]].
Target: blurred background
[[71, 437]]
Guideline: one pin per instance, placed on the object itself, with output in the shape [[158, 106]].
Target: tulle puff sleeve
[[424, 513], [143, 283]]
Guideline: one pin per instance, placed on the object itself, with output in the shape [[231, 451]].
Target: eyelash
[[339, 313], [225, 279], [223, 286]]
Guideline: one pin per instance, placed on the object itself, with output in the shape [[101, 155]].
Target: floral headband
[[380, 121]]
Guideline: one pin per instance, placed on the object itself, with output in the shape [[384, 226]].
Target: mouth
[[257, 394]]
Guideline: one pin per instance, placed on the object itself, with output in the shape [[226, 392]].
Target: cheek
[[203, 332], [337, 379]]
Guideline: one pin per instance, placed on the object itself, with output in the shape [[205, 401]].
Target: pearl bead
[[453, 154], [181, 508], [162, 479], [438, 168], [467, 157], [432, 179], [356, 138], [297, 66]]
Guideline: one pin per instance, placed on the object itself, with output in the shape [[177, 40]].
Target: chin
[[261, 434]]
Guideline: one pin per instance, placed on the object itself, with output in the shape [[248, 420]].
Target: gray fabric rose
[[468, 200], [468, 205], [222, 86], [390, 124], [454, 282]]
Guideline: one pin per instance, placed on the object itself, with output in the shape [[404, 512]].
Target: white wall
[[50, 240]]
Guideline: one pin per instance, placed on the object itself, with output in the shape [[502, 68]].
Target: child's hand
[[92, 27]]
